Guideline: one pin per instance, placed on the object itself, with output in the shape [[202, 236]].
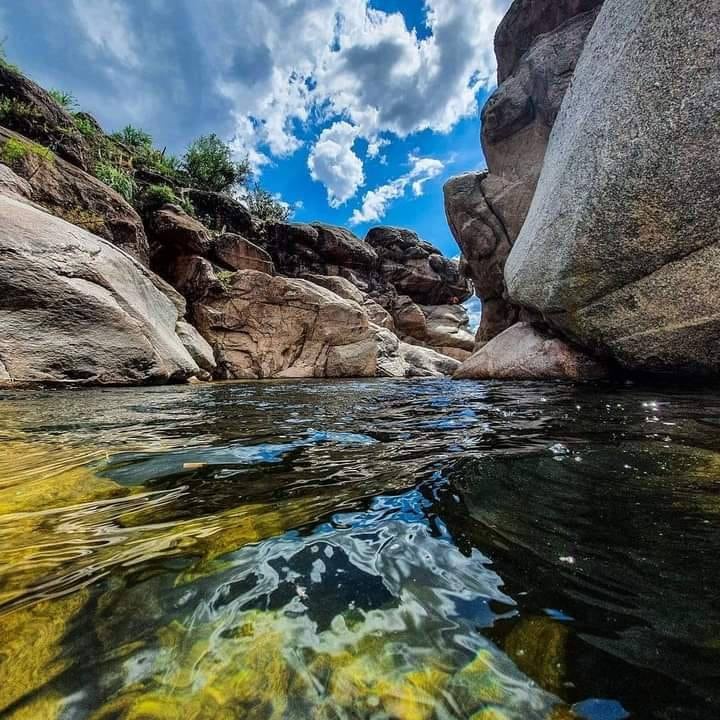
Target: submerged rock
[[523, 352], [266, 327], [76, 309], [620, 249]]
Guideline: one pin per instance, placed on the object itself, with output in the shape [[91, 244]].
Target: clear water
[[360, 549]]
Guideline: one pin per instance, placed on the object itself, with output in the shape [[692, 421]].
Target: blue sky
[[354, 111]]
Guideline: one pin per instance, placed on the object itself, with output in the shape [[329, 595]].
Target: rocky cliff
[[157, 280], [538, 45], [616, 254]]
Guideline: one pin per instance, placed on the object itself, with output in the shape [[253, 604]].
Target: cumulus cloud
[[474, 311], [333, 162], [375, 202], [108, 27]]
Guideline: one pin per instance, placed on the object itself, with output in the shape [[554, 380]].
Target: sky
[[354, 112]]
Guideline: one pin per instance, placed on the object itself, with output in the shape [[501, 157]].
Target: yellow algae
[[490, 714], [562, 712], [414, 696], [537, 645], [30, 654], [477, 684], [45, 707]]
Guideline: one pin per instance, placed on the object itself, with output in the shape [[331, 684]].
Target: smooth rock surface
[[66, 191], [196, 345], [620, 248], [399, 359], [339, 285], [274, 327], [523, 352], [76, 309], [173, 232]]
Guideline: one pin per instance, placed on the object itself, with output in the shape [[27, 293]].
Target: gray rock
[[402, 360], [196, 345], [339, 285], [620, 248], [524, 352], [447, 326], [76, 309]]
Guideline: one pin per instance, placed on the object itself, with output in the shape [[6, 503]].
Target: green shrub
[[225, 277], [85, 126], [4, 61], [15, 151], [118, 179], [64, 99], [263, 205], [12, 109], [134, 138], [209, 165], [156, 195]]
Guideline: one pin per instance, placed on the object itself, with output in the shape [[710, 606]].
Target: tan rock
[[339, 285], [235, 252], [273, 327], [523, 352]]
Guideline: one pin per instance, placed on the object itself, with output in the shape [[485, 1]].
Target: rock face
[[75, 309], [538, 45], [275, 327], [66, 191], [620, 248], [523, 352], [173, 232], [32, 112], [236, 253], [339, 285], [416, 268], [222, 213], [398, 359]]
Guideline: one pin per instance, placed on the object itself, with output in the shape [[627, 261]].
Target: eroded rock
[[524, 352], [235, 252]]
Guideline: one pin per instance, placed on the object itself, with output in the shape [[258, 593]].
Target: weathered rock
[[66, 191], [76, 309], [270, 327], [541, 42], [33, 112], [12, 184], [455, 353], [298, 249], [524, 352], [402, 360], [525, 21], [173, 232], [416, 268], [620, 249], [409, 318], [447, 326], [379, 315], [196, 345], [194, 277], [339, 285], [222, 213], [235, 252]]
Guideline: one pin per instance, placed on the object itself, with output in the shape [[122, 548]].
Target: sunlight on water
[[359, 550]]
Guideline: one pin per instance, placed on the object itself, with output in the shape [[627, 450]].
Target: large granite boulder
[[65, 190], [538, 45], [76, 309], [339, 285], [299, 249], [416, 268], [223, 213], [620, 248], [31, 111], [524, 352], [402, 360], [235, 252], [275, 327], [173, 232]]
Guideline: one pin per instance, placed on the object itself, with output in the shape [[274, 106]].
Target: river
[[360, 549]]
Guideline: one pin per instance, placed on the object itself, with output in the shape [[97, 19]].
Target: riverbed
[[360, 549]]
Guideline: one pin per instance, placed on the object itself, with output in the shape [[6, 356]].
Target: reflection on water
[[371, 549]]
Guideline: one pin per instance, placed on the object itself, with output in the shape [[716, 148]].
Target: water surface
[[360, 549]]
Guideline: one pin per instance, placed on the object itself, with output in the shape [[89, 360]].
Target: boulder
[[66, 191], [402, 360], [524, 352], [620, 248], [447, 326], [194, 277], [76, 309], [528, 19], [31, 111], [416, 268], [538, 45], [379, 315], [196, 345], [339, 285], [274, 327], [222, 213], [409, 318], [173, 232], [235, 252], [298, 249]]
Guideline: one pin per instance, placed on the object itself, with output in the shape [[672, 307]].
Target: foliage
[[209, 165], [156, 195], [87, 219], [4, 61], [85, 126], [134, 138], [265, 206], [226, 277], [14, 151], [64, 99], [12, 109], [116, 178]]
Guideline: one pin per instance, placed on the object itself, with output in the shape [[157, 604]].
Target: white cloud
[[375, 202], [107, 25], [333, 162], [375, 145], [474, 311]]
